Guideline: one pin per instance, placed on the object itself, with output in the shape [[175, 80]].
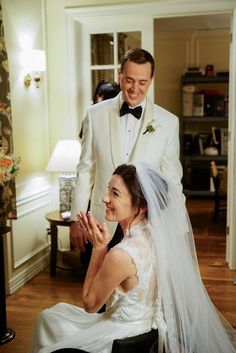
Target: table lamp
[[64, 160]]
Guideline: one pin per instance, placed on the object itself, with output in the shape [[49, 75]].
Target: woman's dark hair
[[138, 56], [129, 175], [106, 90]]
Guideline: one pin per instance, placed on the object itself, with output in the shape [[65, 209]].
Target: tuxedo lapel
[[115, 134], [138, 150]]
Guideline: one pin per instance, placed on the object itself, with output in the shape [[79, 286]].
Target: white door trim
[[155, 9], [231, 202]]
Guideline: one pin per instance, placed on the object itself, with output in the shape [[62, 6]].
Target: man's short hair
[[138, 56]]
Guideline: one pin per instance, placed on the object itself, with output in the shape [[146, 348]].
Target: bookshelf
[[206, 127]]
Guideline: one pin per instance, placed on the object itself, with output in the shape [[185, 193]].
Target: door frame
[[77, 17]]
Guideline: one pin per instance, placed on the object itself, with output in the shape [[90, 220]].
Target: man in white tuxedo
[[116, 134]]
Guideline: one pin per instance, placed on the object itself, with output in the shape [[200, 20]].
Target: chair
[[136, 344], [219, 177], [69, 350]]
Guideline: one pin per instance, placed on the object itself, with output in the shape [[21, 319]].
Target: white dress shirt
[[130, 128]]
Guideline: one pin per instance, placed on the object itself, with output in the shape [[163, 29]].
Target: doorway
[[186, 46]]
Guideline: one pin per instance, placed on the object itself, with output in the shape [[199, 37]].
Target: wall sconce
[[34, 62], [64, 160]]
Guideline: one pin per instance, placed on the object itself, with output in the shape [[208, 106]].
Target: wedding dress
[[192, 323], [128, 314], [169, 294]]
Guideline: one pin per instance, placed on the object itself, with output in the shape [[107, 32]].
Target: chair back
[[137, 344], [219, 177]]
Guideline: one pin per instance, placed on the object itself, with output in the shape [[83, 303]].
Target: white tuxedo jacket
[[102, 152]]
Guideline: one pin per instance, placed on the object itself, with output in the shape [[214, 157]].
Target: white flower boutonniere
[[151, 126]]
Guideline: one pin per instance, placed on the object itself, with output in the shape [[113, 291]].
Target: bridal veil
[[193, 324]]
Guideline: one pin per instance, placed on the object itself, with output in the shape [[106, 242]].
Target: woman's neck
[[127, 224]]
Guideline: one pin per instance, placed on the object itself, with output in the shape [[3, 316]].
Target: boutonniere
[[151, 126]]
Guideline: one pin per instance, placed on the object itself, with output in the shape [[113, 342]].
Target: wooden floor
[[43, 291]]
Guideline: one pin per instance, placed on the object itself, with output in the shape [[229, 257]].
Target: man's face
[[134, 82]]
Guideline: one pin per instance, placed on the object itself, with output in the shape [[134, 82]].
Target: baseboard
[[26, 274]]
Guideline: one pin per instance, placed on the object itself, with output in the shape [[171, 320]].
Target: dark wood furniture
[[192, 131], [6, 334], [54, 218], [219, 178]]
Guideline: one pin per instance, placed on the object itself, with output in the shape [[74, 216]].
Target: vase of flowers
[[9, 166]]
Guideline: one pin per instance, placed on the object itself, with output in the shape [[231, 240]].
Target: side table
[[54, 218], [6, 334]]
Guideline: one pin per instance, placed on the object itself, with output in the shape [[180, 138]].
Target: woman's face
[[118, 202]]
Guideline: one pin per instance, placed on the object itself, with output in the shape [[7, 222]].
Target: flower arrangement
[[151, 126], [9, 165]]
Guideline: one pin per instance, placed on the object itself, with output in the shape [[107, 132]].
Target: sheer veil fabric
[[193, 324]]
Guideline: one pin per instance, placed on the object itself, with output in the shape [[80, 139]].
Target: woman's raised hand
[[99, 235]]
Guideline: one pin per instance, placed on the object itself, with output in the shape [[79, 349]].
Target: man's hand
[[78, 237]]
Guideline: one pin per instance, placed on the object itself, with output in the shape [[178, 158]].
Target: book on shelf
[[187, 100], [198, 104], [212, 186], [224, 141], [201, 142], [187, 103], [200, 183]]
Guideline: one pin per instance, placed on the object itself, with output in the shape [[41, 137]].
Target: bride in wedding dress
[[149, 280]]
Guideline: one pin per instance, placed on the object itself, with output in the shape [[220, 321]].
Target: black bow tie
[[136, 112]]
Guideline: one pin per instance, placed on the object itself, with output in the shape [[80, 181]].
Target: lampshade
[[65, 156]]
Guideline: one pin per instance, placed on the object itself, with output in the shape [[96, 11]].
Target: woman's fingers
[[93, 223], [96, 233], [83, 221], [106, 233]]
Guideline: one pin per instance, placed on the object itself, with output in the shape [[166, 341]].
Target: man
[[114, 135]]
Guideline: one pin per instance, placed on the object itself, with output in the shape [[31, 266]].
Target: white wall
[[26, 244], [29, 105]]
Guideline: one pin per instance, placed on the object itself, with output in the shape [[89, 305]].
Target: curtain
[[8, 192]]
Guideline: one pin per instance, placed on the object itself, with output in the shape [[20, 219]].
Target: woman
[[105, 90], [150, 279]]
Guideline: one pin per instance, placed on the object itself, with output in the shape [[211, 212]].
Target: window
[[107, 50]]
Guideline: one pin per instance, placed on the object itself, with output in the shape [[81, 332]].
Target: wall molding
[[29, 256], [26, 274], [31, 187], [28, 236], [154, 9]]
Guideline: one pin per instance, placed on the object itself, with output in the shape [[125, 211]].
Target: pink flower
[[9, 165], [6, 162]]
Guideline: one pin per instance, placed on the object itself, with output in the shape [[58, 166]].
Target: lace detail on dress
[[137, 245]]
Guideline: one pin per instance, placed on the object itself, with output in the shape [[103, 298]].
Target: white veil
[[193, 323]]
